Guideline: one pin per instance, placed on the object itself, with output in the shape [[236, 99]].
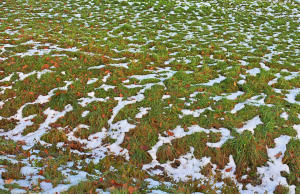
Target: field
[[157, 96]]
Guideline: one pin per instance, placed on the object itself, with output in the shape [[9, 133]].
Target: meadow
[[156, 96]]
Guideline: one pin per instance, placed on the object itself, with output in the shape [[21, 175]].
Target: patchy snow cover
[[143, 111], [250, 125], [214, 81], [271, 174], [27, 171], [284, 115], [165, 97], [125, 65], [85, 113], [297, 128], [85, 101], [96, 67], [195, 113], [189, 167], [179, 132], [258, 100], [106, 87], [291, 96], [253, 71], [234, 96], [91, 81]]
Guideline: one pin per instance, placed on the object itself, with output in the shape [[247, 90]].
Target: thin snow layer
[[85, 113], [152, 183], [6, 79], [143, 111], [250, 125], [189, 167], [229, 96], [91, 81], [85, 101], [106, 87], [284, 115], [253, 71], [179, 132], [229, 169], [291, 96], [52, 117], [297, 128], [234, 96], [96, 67], [125, 65], [166, 97], [27, 171], [72, 179], [23, 122], [23, 76], [271, 174], [213, 81], [36, 51], [195, 113], [258, 100]]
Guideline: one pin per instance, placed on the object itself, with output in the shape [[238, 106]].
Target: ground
[[150, 96]]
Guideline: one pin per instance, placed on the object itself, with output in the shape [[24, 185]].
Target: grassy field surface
[[156, 96]]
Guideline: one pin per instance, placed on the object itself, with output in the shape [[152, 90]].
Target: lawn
[[156, 96]]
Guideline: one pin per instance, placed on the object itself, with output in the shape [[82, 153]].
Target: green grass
[[179, 47]]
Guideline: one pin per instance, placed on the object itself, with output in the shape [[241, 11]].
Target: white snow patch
[[291, 96], [166, 97], [6, 79], [253, 101], [106, 87], [297, 128], [195, 113], [91, 81], [234, 96], [96, 67], [189, 168], [284, 115], [85, 113], [250, 125], [27, 171], [143, 111], [271, 174], [253, 71], [214, 81], [125, 65], [152, 183]]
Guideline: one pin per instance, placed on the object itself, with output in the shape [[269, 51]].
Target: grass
[[184, 61]]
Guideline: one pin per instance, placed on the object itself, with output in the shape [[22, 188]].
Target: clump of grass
[[54, 136], [13, 171], [51, 172], [292, 159], [280, 189], [84, 187], [247, 152], [9, 147], [7, 124]]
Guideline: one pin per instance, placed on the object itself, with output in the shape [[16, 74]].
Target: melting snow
[[271, 174], [250, 125], [284, 115], [214, 81], [91, 81], [253, 71], [143, 111]]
